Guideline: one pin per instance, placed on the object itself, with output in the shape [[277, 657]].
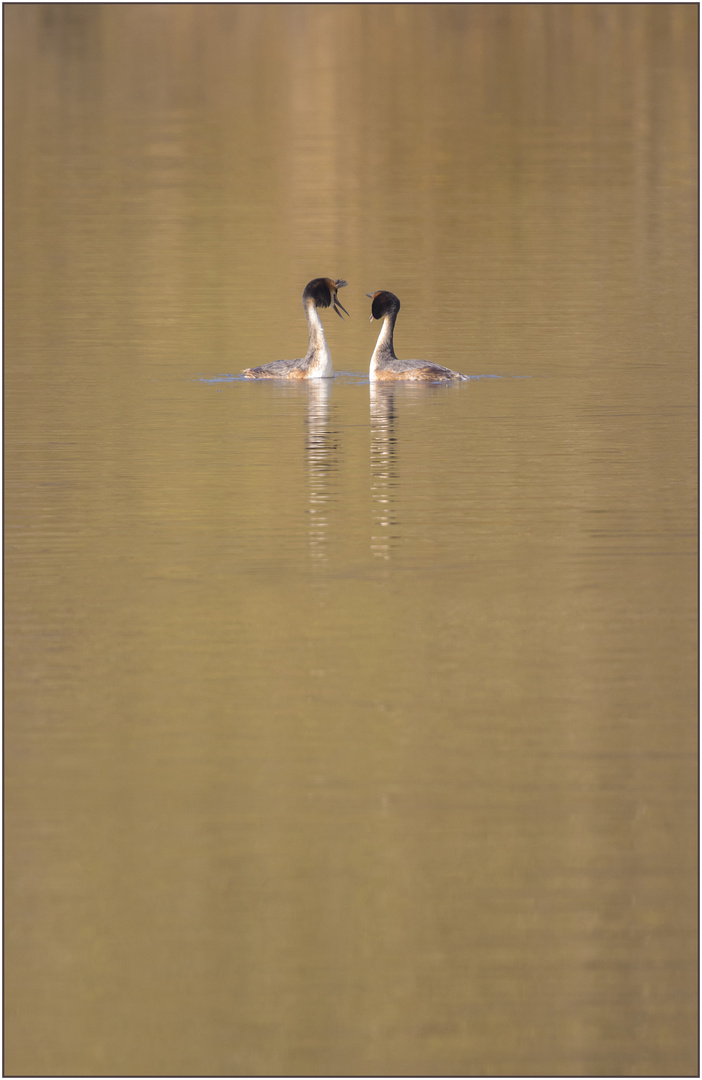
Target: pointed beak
[[337, 302], [370, 296]]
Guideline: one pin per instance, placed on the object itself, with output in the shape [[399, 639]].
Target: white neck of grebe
[[321, 366], [383, 347]]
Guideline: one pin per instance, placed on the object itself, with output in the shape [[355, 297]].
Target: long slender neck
[[317, 349], [384, 347], [317, 342]]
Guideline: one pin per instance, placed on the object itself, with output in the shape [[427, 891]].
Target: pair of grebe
[[317, 362]]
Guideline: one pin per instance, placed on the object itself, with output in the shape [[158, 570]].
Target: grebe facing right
[[384, 364], [317, 362]]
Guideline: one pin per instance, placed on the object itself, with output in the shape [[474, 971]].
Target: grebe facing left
[[384, 364], [317, 362]]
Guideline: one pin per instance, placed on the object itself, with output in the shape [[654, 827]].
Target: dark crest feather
[[319, 291], [384, 303]]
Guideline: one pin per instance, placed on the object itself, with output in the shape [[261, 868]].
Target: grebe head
[[384, 303], [322, 292]]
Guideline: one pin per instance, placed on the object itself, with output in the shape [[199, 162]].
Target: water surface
[[351, 730]]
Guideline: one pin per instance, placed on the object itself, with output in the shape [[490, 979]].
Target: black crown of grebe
[[317, 361], [384, 364]]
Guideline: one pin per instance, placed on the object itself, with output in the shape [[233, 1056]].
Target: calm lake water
[[351, 730]]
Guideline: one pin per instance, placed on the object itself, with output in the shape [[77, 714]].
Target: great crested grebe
[[384, 364], [317, 362]]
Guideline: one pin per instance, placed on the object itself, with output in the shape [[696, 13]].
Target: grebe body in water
[[384, 364], [317, 362]]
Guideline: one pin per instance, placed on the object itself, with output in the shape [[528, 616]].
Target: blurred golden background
[[351, 731]]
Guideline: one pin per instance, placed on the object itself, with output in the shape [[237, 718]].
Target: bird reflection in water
[[321, 449], [382, 462]]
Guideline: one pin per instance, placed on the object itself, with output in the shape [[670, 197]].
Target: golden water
[[350, 730]]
